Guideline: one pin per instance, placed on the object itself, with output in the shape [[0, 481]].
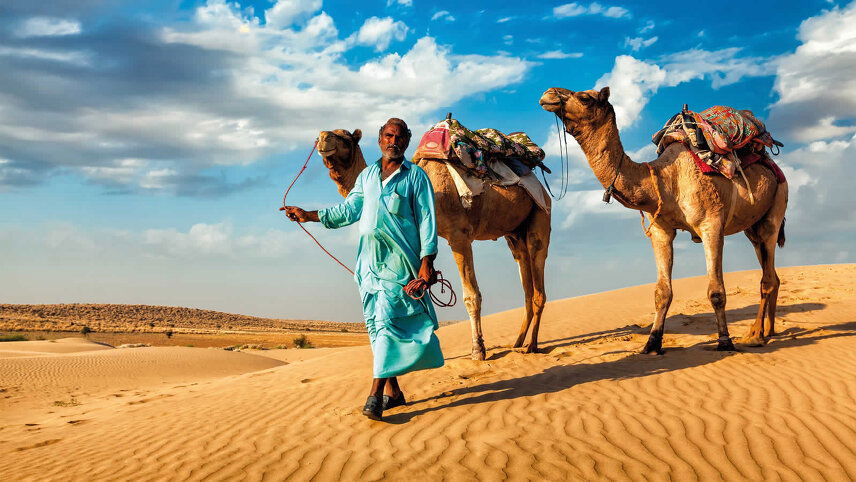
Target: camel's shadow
[[679, 323], [563, 377]]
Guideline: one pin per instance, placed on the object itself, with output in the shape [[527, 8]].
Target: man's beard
[[393, 153]]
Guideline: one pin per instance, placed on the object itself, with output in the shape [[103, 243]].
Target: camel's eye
[[585, 98]]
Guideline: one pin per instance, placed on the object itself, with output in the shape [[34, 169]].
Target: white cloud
[[123, 171], [579, 204], [594, 8], [405, 3], [72, 57], [558, 54], [637, 43], [223, 95], [443, 14], [633, 81], [508, 39], [649, 25], [284, 13], [379, 32], [47, 27], [569, 10], [816, 85], [504, 19]]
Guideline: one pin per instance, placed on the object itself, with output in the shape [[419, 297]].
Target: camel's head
[[578, 109], [338, 149]]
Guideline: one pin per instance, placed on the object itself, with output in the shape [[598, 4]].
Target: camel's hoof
[[478, 354], [752, 341], [653, 345], [725, 345], [530, 349]]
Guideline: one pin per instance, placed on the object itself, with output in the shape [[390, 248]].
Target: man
[[394, 202]]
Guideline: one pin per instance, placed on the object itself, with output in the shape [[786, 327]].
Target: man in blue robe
[[393, 200]]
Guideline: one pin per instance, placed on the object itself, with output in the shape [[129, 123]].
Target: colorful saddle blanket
[[449, 140], [714, 135]]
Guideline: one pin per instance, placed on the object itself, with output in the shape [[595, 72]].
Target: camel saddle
[[475, 151], [721, 137], [476, 159]]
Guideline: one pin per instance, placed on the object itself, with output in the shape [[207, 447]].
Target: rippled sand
[[587, 407]]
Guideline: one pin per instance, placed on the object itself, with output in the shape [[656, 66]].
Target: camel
[[498, 212], [676, 195]]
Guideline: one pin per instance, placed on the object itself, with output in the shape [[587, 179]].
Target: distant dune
[[587, 407], [150, 319]]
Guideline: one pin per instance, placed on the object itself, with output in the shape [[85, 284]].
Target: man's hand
[[294, 213], [427, 277]]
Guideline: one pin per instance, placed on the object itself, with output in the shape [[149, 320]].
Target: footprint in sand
[[40, 444]]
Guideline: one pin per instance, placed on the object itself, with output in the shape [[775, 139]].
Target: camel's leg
[[462, 249], [518, 249], [537, 245], [713, 240], [661, 241], [764, 235]]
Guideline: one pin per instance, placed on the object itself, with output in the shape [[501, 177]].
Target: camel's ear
[[603, 96], [358, 134]]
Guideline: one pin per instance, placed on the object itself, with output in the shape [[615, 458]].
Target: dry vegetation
[[102, 318], [166, 325]]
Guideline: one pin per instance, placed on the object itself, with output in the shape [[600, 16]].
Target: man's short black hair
[[395, 121]]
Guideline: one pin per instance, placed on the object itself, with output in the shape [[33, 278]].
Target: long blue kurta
[[397, 229]]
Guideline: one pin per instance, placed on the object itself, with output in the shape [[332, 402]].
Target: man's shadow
[[563, 377]]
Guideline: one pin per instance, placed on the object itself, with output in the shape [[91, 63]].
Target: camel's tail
[[781, 240]]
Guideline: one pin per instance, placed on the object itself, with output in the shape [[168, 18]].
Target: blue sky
[[144, 147]]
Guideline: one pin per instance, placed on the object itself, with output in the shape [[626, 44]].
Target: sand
[[587, 407]]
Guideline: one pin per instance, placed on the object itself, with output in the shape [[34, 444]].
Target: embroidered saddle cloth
[[716, 135], [474, 151]]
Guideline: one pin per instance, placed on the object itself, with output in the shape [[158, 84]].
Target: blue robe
[[397, 229]]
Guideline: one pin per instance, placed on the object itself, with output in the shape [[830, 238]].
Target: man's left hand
[[427, 277]]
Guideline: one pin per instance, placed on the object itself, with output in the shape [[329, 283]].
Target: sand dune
[[587, 407]]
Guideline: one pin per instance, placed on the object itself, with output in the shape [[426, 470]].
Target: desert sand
[[586, 407]]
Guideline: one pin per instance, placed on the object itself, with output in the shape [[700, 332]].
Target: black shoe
[[389, 402], [373, 408]]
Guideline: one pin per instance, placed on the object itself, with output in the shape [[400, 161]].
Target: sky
[[145, 146]]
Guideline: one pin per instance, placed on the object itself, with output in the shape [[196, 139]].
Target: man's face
[[393, 142]]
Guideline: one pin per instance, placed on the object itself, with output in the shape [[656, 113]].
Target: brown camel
[[709, 207], [498, 212]]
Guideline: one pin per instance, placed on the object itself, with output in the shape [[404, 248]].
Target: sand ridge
[[587, 407]]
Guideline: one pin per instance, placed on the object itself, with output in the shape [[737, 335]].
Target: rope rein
[[659, 201], [285, 196], [443, 282]]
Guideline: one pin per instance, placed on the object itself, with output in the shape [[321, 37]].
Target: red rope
[[444, 283]]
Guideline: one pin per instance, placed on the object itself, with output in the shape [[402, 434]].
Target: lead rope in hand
[[444, 283], [285, 196]]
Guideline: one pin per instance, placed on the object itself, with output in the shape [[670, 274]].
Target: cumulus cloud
[[815, 84], [634, 81], [283, 14], [47, 27], [577, 205], [405, 3], [594, 8], [155, 109], [443, 14], [379, 32], [637, 43], [558, 54]]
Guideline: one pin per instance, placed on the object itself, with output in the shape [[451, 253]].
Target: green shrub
[[302, 342], [13, 338], [85, 330]]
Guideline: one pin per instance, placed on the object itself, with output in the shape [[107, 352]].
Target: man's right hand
[[294, 213]]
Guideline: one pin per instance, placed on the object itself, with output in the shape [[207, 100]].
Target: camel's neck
[[605, 154], [346, 179]]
